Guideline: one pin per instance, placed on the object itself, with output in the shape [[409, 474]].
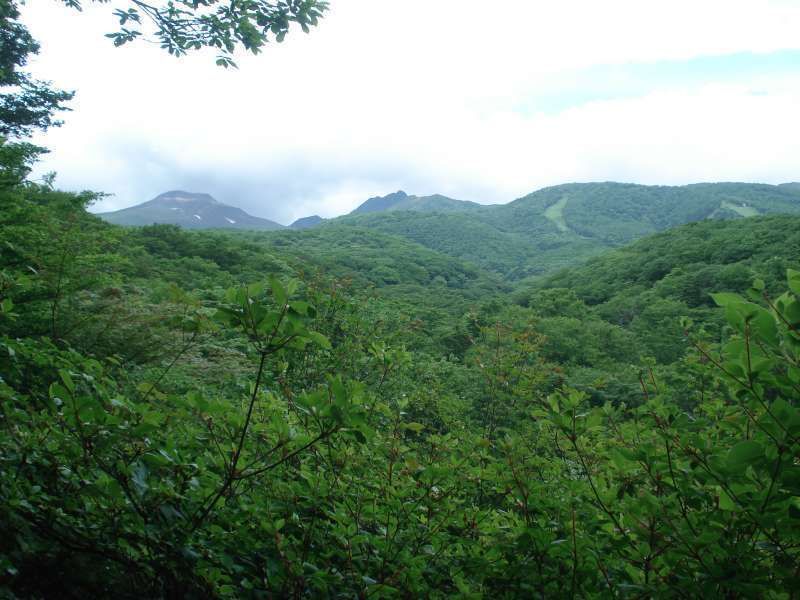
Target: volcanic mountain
[[189, 210]]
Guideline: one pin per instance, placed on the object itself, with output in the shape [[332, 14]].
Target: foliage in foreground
[[276, 440]]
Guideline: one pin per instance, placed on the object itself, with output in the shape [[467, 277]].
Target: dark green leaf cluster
[[25, 103], [187, 25]]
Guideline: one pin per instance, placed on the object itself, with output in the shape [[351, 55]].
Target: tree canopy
[[185, 25], [356, 411]]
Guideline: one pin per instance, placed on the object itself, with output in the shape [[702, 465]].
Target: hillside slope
[[647, 286], [676, 262], [563, 225], [617, 213]]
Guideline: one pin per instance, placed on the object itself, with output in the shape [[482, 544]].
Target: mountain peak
[[382, 203], [307, 222], [399, 200], [179, 197], [190, 210]]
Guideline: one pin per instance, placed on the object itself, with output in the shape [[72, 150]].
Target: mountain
[[307, 222], [402, 201], [534, 235], [684, 263], [645, 287], [617, 213], [565, 224], [189, 210]]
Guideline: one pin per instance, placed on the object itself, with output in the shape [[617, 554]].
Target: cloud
[[453, 97]]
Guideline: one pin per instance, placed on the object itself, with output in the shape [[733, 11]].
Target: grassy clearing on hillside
[[555, 213], [743, 210]]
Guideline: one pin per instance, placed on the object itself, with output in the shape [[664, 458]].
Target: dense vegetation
[[532, 236], [344, 412], [307, 434], [557, 226]]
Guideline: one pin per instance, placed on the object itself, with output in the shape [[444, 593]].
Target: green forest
[[596, 400]]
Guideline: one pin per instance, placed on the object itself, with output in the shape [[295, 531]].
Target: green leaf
[[744, 454], [725, 501], [794, 280], [724, 299], [69, 383], [763, 325], [254, 290], [339, 390], [278, 291], [791, 312], [319, 339], [291, 287], [300, 307], [267, 322], [58, 391], [620, 461]]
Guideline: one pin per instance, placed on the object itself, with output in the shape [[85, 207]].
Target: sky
[[482, 101]]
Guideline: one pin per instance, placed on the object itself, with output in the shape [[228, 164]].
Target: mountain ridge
[[400, 200], [560, 225], [546, 228]]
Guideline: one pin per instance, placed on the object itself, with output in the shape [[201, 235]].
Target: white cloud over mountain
[[441, 96]]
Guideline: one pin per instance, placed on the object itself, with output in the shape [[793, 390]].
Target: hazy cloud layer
[[479, 101]]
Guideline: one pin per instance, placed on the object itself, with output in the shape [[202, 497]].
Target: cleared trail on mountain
[[742, 210], [555, 213]]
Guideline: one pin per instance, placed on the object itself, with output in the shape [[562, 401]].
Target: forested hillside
[[559, 226], [591, 392], [366, 416], [617, 213], [535, 235]]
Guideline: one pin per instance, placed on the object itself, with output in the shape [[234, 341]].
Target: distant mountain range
[[564, 224], [202, 211], [189, 210], [549, 228]]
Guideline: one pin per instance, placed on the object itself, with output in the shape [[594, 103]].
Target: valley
[[413, 389], [589, 391]]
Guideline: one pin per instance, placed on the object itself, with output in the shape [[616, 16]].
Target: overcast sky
[[478, 100]]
